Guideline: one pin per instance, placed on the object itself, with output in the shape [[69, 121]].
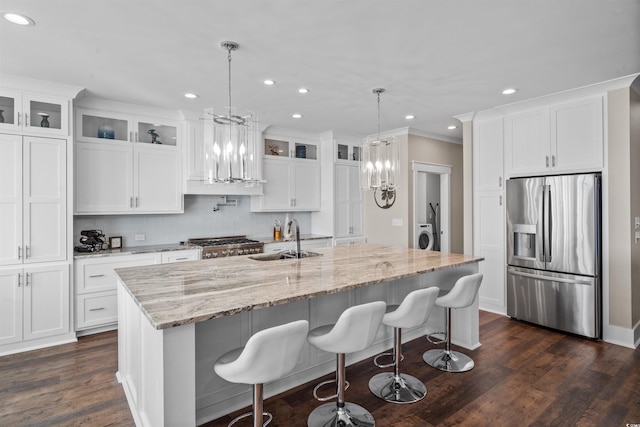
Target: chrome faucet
[[291, 223]]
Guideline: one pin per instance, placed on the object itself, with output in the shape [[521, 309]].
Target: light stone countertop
[[132, 250], [195, 291]]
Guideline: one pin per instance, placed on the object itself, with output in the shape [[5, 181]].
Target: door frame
[[445, 199]]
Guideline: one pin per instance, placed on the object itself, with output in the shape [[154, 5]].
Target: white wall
[[198, 220]]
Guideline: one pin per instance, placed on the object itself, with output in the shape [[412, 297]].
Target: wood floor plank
[[524, 375]]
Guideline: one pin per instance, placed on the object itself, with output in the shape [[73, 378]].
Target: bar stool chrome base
[[397, 389], [351, 415], [449, 361]]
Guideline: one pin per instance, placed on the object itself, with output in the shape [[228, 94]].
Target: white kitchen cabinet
[[96, 299], [577, 138], [120, 169], [34, 114], [348, 151], [348, 201], [35, 303], [560, 138], [291, 185], [96, 284], [114, 178], [181, 256], [488, 207], [350, 241], [305, 244], [33, 199], [488, 168]]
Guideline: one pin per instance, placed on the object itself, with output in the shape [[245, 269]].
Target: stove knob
[[241, 251], [225, 253], [207, 255]]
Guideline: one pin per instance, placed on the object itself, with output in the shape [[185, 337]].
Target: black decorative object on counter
[[91, 241]]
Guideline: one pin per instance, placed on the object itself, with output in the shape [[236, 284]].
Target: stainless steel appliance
[[215, 247], [554, 252]]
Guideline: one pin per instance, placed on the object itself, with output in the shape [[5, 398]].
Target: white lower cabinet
[[291, 245], [34, 302], [95, 278]]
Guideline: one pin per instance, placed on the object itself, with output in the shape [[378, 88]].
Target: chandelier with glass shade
[[231, 141], [380, 165]]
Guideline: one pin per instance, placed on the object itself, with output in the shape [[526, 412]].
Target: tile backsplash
[[198, 220]]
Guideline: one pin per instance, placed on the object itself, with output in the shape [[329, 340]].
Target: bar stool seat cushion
[[462, 294], [414, 309], [352, 332], [268, 355]]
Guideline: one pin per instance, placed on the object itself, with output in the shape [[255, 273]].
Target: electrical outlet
[[638, 223], [396, 222], [140, 237]]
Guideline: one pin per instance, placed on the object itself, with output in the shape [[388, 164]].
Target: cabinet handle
[[131, 202], [500, 200], [130, 136], [19, 279], [26, 119], [182, 259], [19, 252], [28, 279], [136, 201], [547, 161], [27, 252], [499, 181], [136, 136], [19, 115], [96, 309], [96, 275], [553, 161]]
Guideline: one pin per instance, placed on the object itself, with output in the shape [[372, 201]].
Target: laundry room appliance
[[424, 239]]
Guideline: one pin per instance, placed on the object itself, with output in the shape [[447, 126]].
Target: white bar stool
[[462, 295], [354, 331], [268, 355], [414, 310]]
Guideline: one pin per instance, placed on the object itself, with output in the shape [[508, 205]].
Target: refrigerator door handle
[[546, 235], [549, 225], [548, 278]]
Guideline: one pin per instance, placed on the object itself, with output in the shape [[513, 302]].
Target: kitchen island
[[175, 320]]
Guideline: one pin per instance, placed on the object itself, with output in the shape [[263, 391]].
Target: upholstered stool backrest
[[414, 309], [463, 292]]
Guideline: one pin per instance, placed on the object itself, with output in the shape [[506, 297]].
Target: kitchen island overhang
[[174, 320]]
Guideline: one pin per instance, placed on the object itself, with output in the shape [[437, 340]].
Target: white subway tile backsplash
[[198, 220]]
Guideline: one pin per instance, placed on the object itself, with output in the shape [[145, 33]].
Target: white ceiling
[[436, 59]]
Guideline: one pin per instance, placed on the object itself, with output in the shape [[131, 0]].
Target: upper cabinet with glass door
[[98, 126], [33, 114]]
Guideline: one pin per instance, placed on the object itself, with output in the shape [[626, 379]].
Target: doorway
[[431, 203]]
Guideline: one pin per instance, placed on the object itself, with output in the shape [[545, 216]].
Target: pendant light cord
[[229, 59], [378, 116]]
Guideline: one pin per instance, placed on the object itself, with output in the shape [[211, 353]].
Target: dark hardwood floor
[[524, 375]]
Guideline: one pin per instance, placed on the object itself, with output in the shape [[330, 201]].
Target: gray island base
[[175, 320]]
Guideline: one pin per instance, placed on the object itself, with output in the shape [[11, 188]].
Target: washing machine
[[424, 239]]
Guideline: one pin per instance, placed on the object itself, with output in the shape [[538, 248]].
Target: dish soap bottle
[[287, 228], [276, 230]]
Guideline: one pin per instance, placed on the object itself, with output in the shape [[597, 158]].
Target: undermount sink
[[283, 255]]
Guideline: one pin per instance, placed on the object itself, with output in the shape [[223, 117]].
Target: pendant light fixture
[[230, 141], [380, 165]]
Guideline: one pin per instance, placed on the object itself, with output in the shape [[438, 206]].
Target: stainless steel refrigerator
[[554, 252]]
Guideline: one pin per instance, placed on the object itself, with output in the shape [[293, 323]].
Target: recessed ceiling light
[[452, 127], [296, 116], [509, 91], [409, 117], [269, 82], [191, 95], [303, 90], [18, 19]]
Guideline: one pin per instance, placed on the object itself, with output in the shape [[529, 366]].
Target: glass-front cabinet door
[[34, 114], [150, 131], [102, 126]]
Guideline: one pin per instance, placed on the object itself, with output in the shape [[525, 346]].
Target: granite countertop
[[132, 250], [189, 292]]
